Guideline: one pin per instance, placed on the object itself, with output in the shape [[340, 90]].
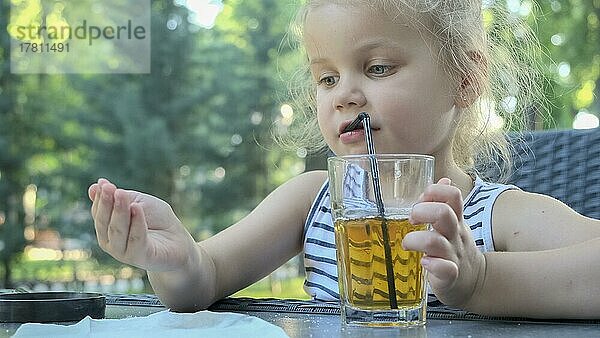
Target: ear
[[472, 83]]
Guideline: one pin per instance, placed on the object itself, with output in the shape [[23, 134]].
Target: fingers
[[94, 194], [432, 243], [449, 249], [442, 273], [112, 216], [437, 207], [120, 222], [440, 261], [103, 204], [118, 227], [440, 215], [92, 191], [138, 233], [441, 206], [445, 193]]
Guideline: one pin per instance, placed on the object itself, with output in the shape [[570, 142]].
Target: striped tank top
[[319, 239]]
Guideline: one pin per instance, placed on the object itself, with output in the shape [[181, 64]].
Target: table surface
[[329, 326], [322, 324]]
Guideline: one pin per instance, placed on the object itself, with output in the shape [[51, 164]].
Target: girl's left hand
[[454, 263]]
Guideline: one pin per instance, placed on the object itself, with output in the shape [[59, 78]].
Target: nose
[[348, 95]]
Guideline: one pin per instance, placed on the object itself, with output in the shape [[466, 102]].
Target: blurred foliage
[[570, 32], [284, 289], [196, 131], [187, 132]]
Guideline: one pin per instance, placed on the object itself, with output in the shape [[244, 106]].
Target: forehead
[[336, 27]]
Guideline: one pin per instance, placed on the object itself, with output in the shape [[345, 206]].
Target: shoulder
[[308, 183], [299, 192], [485, 193], [318, 176], [525, 221], [513, 203]]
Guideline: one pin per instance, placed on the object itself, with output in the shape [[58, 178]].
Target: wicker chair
[[564, 164]]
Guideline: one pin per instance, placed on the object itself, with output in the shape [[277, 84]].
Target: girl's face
[[362, 61]]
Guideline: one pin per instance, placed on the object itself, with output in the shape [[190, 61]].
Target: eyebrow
[[368, 45], [377, 43]]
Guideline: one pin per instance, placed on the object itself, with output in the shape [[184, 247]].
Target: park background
[[198, 132]]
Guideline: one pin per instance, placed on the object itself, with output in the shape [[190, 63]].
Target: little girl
[[423, 71]]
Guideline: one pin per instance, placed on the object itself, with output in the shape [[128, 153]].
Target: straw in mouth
[[366, 122], [356, 122]]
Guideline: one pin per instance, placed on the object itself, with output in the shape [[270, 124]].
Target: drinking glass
[[369, 230]]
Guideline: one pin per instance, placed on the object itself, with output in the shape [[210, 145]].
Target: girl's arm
[[244, 252], [551, 264], [143, 231], [549, 267], [557, 283], [524, 221]]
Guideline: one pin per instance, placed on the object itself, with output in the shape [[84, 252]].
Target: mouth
[[349, 126]]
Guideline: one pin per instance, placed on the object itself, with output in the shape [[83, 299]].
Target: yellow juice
[[362, 264]]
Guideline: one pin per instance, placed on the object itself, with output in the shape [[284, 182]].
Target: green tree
[[37, 138], [188, 132], [570, 31]]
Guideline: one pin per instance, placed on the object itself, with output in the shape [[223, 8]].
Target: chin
[[345, 152]]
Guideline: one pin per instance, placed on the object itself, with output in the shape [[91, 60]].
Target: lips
[[359, 126]]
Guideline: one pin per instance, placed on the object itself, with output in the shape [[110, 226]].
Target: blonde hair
[[492, 50]]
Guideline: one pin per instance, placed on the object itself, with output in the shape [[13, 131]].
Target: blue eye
[[328, 81], [379, 69]]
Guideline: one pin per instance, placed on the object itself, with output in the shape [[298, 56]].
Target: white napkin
[[160, 324]]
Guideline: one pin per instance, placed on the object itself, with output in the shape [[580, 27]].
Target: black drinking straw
[[366, 121]]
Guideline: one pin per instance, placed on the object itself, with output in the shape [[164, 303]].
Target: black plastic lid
[[44, 307]]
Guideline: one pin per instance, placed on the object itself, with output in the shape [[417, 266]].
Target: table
[[311, 319]]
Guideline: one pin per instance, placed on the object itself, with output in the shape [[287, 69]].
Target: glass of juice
[[380, 283]]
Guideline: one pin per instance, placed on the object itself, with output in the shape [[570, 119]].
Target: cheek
[[325, 116], [325, 124], [322, 101]]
